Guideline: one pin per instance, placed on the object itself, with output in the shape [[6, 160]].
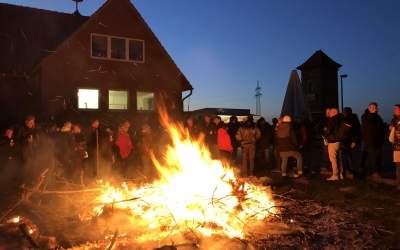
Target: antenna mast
[[258, 98]]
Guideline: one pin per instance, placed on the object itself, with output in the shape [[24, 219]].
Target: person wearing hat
[[287, 146]]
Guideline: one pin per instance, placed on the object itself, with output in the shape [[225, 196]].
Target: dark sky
[[225, 46]]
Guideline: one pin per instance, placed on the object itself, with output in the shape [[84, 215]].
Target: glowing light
[[194, 193]]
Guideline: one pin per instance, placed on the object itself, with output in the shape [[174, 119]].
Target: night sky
[[224, 46]]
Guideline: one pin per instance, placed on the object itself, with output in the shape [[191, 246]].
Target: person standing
[[373, 135], [264, 144], [287, 145], [394, 138], [146, 141], [351, 140], [124, 148], [248, 135], [28, 138], [333, 138], [79, 154], [94, 144], [233, 127], [9, 159], [224, 141], [192, 128], [209, 133]]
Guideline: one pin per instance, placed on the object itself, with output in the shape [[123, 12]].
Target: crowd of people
[[289, 144]]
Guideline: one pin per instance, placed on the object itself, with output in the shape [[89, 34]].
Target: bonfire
[[195, 196]]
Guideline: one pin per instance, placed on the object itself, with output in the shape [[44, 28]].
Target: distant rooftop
[[319, 58]]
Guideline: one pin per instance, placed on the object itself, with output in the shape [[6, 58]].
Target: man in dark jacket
[[373, 135], [264, 144], [287, 145], [333, 138], [28, 139], [233, 127], [9, 158], [209, 133], [351, 140]]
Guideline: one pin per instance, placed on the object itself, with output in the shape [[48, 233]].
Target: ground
[[342, 215]]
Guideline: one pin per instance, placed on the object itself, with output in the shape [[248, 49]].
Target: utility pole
[[341, 90], [258, 98]]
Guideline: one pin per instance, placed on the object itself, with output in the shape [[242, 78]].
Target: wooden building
[[107, 65], [319, 77]]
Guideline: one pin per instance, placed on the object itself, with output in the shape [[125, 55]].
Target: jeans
[[285, 156], [333, 152], [248, 155]]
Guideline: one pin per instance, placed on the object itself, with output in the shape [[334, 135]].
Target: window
[[88, 99], [118, 48], [136, 50], [145, 101], [99, 46], [118, 99]]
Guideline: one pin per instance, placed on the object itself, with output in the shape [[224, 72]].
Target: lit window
[[118, 48], [99, 46], [118, 99], [145, 100], [136, 50], [88, 98]]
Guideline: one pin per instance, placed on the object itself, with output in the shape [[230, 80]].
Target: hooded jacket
[[286, 138], [373, 130]]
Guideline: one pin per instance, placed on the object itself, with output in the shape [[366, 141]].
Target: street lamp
[[341, 88]]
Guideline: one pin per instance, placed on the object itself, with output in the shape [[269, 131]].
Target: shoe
[[341, 176], [299, 173], [284, 174], [333, 178], [295, 175]]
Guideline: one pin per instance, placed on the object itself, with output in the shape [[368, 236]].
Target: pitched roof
[[29, 34], [319, 58]]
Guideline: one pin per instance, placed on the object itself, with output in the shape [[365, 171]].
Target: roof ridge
[[38, 9]]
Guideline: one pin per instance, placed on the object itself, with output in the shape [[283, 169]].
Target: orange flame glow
[[194, 193]]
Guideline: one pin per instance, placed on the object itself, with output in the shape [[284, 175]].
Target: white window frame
[[127, 101], [98, 99], [108, 57]]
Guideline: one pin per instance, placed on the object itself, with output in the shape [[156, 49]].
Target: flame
[[14, 220], [194, 193]]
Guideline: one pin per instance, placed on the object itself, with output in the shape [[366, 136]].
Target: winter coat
[[232, 130], [334, 132], [354, 133], [8, 149], [285, 138], [224, 140], [79, 147], [210, 133], [267, 136], [396, 140], [248, 135], [124, 145], [373, 130]]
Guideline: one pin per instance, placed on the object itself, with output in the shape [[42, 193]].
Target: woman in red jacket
[[124, 146], [224, 141]]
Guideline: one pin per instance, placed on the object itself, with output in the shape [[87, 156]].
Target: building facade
[[319, 77], [110, 64]]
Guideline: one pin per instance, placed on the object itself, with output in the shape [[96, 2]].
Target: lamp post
[[341, 89]]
